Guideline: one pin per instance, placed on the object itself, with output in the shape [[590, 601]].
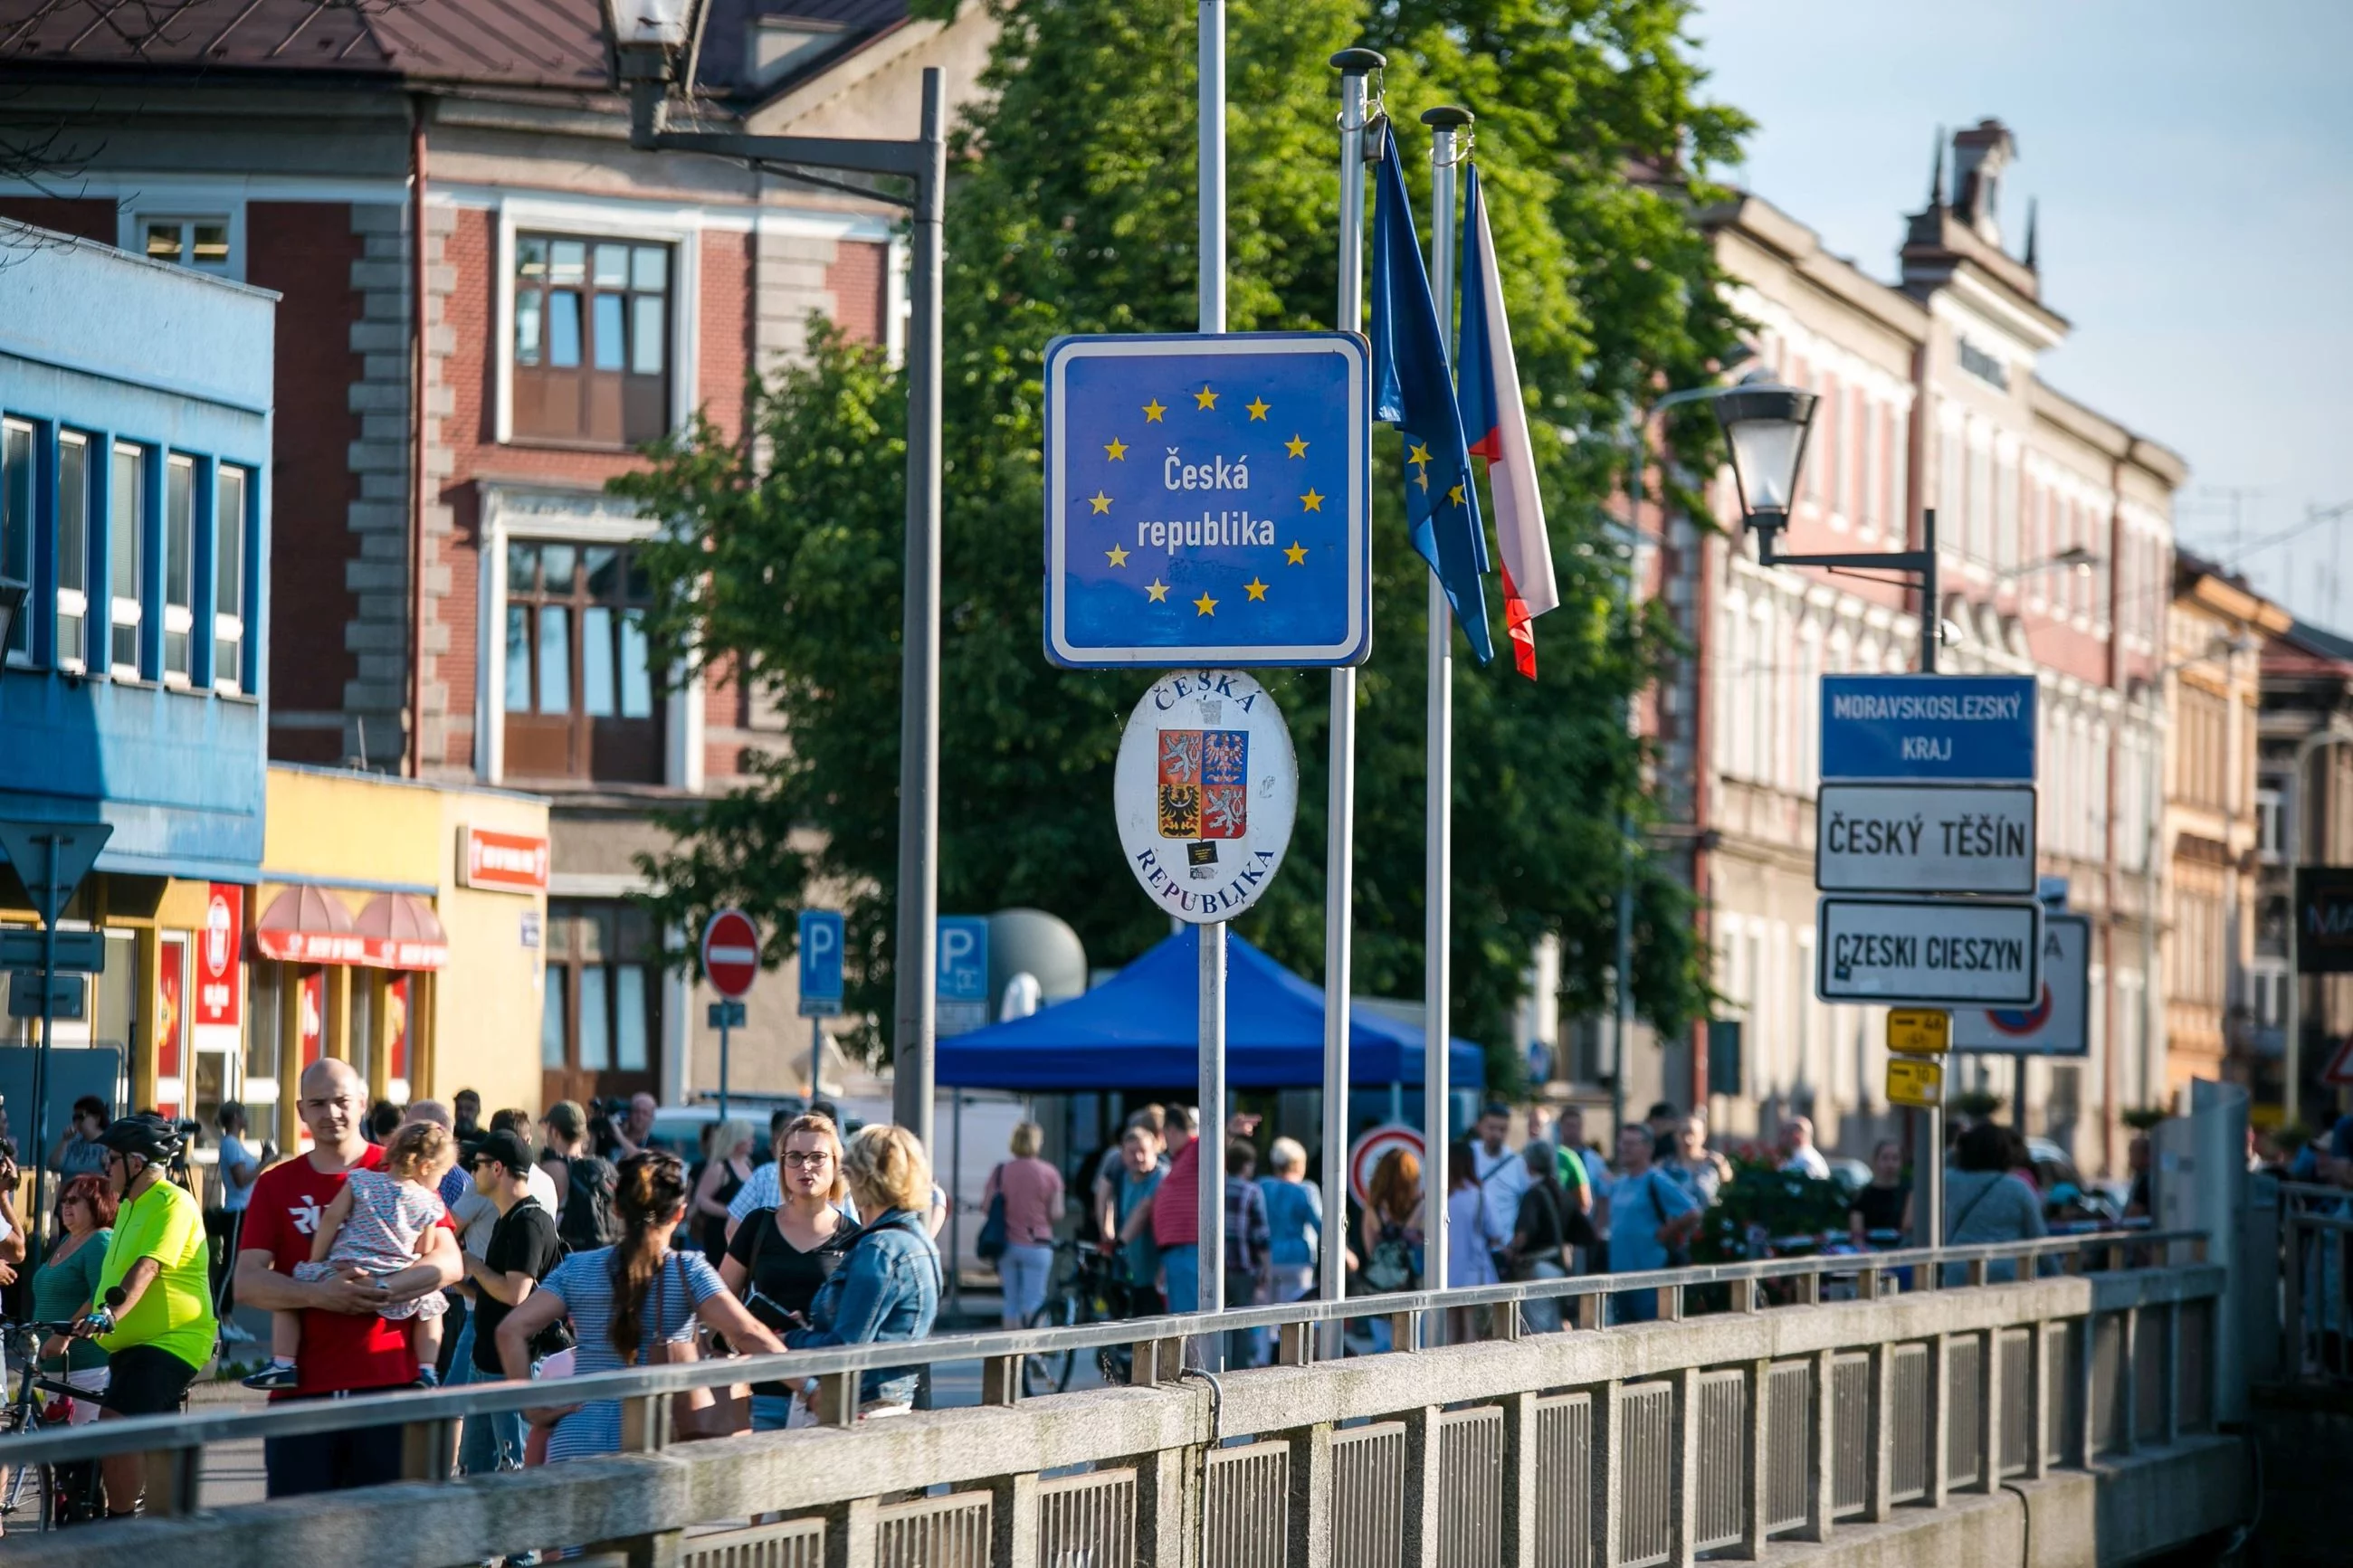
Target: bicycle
[[1093, 1288], [64, 1494]]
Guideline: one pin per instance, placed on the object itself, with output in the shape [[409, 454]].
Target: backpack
[[590, 1219]]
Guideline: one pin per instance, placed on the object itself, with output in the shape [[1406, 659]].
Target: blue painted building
[[135, 401], [135, 494]]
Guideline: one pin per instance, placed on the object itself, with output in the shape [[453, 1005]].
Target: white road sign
[[1979, 951], [2059, 1023], [1924, 838], [1206, 786]]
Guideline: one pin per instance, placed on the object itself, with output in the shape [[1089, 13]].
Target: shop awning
[[311, 925]]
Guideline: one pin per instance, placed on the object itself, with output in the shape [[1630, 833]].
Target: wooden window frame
[[569, 743], [580, 405]]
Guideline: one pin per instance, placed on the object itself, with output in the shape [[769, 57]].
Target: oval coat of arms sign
[[1205, 789]]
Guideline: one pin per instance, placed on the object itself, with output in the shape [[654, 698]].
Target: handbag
[[699, 1413], [991, 1246]]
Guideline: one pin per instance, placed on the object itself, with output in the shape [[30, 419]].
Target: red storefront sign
[[220, 993], [350, 947], [170, 1023], [314, 1016], [503, 862]]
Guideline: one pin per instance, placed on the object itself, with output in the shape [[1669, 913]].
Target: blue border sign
[[1978, 728], [1209, 501]]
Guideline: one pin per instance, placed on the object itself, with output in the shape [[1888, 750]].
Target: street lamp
[[655, 45], [1765, 424]]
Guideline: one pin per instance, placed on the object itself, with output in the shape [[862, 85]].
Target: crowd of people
[[411, 1246]]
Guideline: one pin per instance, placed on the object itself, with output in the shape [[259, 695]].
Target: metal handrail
[[420, 1407]]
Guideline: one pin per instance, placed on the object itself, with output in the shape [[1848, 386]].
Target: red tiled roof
[[519, 43], [542, 44]]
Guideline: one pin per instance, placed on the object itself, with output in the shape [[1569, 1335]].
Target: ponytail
[[651, 1189]]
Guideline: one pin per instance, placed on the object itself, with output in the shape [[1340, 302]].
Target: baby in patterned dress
[[374, 1224]]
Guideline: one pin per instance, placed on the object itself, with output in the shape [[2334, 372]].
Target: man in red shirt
[[347, 1347]]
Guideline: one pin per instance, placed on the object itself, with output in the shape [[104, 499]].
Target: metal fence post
[[1989, 1429], [1520, 1482], [1682, 1467], [1940, 1377], [1821, 1490], [2086, 1341], [1602, 1532], [2171, 1381], [1423, 1484], [1168, 1509], [1880, 1488], [174, 1480], [850, 1533], [1310, 1513], [2038, 1401], [1753, 1452], [2128, 1382], [1013, 1519]]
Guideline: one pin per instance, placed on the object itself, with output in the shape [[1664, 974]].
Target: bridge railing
[[2315, 1321], [1634, 1445]]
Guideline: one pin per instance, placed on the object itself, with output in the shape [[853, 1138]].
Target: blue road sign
[[1975, 728], [1209, 501], [964, 958], [820, 945]]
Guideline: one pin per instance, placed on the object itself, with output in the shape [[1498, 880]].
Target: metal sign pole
[[1340, 846], [37, 1240], [1928, 1165], [915, 951], [725, 1013], [1437, 867], [1212, 1130]]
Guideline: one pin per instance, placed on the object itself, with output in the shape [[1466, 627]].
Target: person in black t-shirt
[[779, 1256], [522, 1249], [1881, 1213]]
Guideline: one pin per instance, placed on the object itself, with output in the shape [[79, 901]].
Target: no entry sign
[[731, 952], [1371, 1145]]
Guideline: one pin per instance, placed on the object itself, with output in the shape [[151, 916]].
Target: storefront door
[[600, 1032]]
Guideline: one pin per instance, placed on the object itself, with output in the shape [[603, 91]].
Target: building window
[[579, 696], [17, 523], [179, 565], [591, 340], [228, 579], [2268, 843], [603, 1008], [199, 242], [126, 503], [73, 550]]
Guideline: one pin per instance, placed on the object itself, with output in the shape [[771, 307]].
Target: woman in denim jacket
[[888, 1288]]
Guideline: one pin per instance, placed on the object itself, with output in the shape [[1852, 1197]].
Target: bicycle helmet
[[145, 1134]]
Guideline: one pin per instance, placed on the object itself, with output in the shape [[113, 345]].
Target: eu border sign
[[1209, 501], [1942, 727]]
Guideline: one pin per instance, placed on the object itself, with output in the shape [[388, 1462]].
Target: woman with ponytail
[[625, 1301]]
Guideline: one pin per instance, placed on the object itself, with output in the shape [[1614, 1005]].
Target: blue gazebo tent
[[1140, 1029]]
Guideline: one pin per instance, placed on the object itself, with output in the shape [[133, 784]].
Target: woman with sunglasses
[[779, 1256]]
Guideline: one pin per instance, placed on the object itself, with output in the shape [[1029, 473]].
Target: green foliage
[[1782, 1205], [1072, 210]]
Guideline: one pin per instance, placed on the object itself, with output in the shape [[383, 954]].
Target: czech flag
[[1412, 391], [1496, 420]]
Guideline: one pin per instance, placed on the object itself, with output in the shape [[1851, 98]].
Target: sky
[[2194, 167]]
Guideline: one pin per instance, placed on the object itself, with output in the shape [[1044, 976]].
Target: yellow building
[[400, 927]]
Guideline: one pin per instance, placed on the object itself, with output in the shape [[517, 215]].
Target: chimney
[[1980, 153]]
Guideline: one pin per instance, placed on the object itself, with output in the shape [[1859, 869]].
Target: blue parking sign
[[961, 988], [1209, 501], [820, 945]]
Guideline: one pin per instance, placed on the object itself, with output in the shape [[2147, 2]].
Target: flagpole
[[1439, 854], [1340, 847], [1211, 1243]]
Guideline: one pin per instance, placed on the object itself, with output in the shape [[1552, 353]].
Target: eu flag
[[1412, 390]]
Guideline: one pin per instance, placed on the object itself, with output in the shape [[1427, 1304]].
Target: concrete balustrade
[[2056, 1420]]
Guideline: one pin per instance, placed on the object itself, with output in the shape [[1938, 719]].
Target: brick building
[[454, 592], [1929, 399]]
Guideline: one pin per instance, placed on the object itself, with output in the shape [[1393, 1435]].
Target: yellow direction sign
[[1919, 1031], [1912, 1080]]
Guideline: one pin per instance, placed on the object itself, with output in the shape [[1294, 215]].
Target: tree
[[1073, 211]]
